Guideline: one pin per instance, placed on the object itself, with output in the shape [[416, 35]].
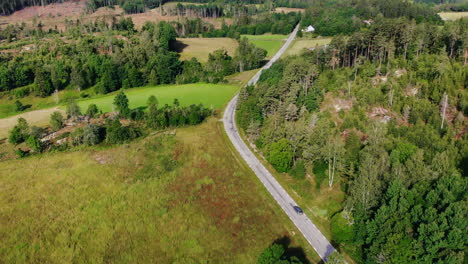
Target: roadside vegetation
[[369, 134]]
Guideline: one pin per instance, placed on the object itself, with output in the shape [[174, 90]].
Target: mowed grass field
[[161, 199], [210, 95], [200, 48], [270, 42], [453, 15], [300, 44]]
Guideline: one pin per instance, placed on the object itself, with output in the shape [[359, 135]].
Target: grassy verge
[[161, 199]]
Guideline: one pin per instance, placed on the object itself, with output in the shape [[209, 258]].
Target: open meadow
[[210, 95], [200, 48], [183, 198], [270, 42], [300, 44], [453, 15]]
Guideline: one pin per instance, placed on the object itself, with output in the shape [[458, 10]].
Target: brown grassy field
[[162, 199], [201, 47], [452, 15], [300, 44], [289, 9]]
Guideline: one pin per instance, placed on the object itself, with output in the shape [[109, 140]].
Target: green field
[[265, 37], [161, 199], [271, 43], [210, 95], [300, 44]]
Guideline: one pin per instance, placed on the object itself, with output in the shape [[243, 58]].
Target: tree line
[[112, 131]]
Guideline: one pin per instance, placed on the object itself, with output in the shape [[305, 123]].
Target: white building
[[309, 29]]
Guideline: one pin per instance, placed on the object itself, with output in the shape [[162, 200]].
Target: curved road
[[311, 233]]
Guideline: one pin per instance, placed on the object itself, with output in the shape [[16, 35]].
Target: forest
[[345, 17], [381, 115]]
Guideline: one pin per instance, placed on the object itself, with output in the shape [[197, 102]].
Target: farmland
[[161, 199]]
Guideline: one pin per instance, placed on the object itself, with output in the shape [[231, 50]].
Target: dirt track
[[34, 118]]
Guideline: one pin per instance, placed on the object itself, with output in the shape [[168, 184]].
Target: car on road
[[298, 209]]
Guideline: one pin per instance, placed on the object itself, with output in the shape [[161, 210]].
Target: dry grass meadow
[[201, 47], [183, 198]]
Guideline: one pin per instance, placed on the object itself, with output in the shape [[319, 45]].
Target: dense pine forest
[[380, 114]]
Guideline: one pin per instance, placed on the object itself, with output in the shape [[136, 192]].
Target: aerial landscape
[[234, 131]]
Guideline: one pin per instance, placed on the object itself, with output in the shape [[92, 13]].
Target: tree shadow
[[290, 252], [178, 46], [26, 107], [143, 108]]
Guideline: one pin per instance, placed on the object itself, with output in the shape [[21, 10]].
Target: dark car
[[298, 209]]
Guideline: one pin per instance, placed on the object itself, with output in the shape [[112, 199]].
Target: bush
[[93, 135], [319, 172], [56, 121], [73, 109], [34, 143], [21, 153], [342, 232], [116, 133], [92, 110], [20, 132], [299, 170], [280, 155]]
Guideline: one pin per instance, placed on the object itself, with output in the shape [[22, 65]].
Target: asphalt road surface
[[311, 233]]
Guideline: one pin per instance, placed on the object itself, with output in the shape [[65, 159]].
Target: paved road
[[316, 239]]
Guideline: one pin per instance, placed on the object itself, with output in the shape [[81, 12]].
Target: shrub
[[20, 132], [319, 172], [73, 109], [92, 110], [342, 231], [280, 155], [56, 121], [34, 143], [116, 133], [92, 135], [299, 170], [21, 153]]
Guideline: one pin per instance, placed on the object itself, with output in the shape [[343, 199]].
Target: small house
[[309, 29]]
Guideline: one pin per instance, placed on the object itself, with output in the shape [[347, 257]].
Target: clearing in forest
[[200, 48], [300, 44], [270, 42], [453, 15]]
